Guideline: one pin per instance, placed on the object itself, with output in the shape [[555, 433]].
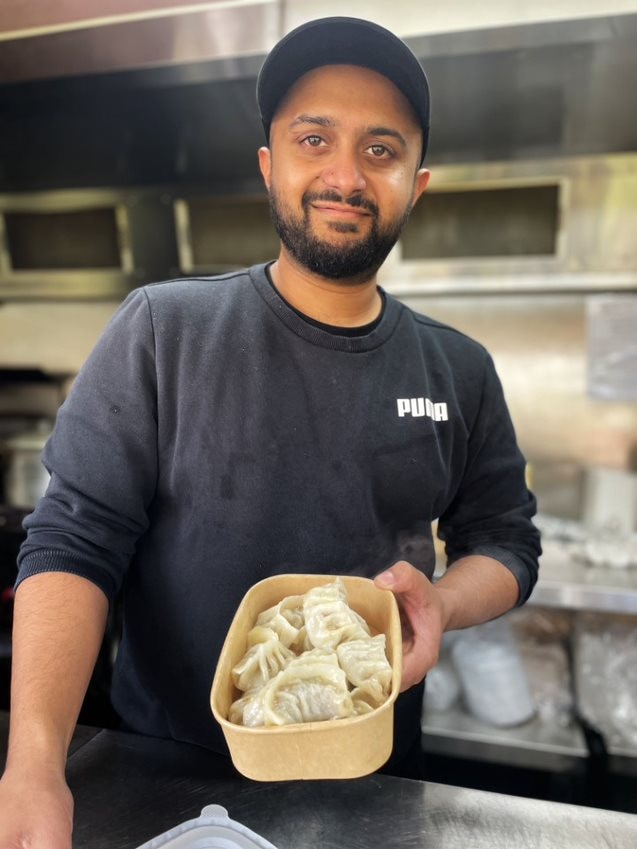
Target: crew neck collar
[[294, 321]]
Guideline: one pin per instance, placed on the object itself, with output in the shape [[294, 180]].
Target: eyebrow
[[318, 120], [387, 131]]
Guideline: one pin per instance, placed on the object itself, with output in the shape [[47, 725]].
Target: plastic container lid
[[212, 830]]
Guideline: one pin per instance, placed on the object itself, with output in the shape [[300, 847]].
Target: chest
[[268, 419]]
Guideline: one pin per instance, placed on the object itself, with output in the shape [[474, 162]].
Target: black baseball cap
[[342, 41]]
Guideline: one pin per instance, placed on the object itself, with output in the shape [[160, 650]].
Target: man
[[288, 417]]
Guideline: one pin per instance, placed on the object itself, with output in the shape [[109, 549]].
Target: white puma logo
[[418, 407]]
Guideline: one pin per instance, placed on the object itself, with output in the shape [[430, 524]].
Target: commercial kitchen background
[[128, 132]]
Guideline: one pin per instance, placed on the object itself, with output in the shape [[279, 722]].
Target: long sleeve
[[491, 511], [102, 458]]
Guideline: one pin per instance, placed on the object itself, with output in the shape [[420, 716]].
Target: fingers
[[412, 672], [402, 577], [421, 619]]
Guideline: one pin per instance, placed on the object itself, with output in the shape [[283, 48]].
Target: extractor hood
[[168, 96]]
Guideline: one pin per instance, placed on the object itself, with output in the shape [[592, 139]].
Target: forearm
[[59, 623], [475, 589]]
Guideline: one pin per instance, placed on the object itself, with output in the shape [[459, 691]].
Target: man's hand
[[474, 589], [423, 618], [37, 810]]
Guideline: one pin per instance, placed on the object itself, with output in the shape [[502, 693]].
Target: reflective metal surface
[[571, 584], [203, 32], [128, 789], [501, 91], [536, 744], [146, 244], [594, 245], [539, 345]]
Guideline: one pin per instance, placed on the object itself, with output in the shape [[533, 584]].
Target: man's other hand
[[422, 616], [36, 810]]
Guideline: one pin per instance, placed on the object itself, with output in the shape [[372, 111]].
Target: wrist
[[34, 774], [39, 751], [448, 600]]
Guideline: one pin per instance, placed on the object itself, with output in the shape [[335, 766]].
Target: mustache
[[355, 201]]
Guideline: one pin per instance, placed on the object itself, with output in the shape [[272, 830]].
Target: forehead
[[358, 90]]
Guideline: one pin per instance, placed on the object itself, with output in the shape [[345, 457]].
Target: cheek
[[397, 192], [290, 184]]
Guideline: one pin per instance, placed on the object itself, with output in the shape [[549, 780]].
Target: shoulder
[[203, 303], [443, 338], [197, 291]]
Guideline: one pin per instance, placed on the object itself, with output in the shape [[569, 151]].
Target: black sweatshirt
[[214, 437]]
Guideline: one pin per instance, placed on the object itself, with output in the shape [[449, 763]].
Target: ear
[[265, 165], [420, 183]]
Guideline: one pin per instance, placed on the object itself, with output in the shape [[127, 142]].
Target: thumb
[[398, 578]]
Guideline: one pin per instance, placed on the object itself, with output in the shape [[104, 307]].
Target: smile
[[346, 213]]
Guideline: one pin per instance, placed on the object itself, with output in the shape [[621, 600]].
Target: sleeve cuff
[[50, 560], [511, 561]]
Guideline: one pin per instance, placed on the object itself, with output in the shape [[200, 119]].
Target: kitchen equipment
[[340, 748], [212, 830], [25, 478]]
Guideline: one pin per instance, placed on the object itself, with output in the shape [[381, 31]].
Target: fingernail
[[386, 578]]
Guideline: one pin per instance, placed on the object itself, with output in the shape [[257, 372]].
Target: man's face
[[342, 171]]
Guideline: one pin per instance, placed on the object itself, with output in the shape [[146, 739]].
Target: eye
[[380, 151], [313, 141]]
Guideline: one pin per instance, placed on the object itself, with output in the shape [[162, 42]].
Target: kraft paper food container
[[339, 748]]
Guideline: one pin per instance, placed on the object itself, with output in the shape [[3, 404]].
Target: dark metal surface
[[129, 788]]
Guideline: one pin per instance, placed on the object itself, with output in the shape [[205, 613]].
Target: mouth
[[344, 213]]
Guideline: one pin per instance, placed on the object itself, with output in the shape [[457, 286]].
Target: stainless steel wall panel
[[539, 347], [230, 30]]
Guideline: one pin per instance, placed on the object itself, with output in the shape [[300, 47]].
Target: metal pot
[[25, 478]]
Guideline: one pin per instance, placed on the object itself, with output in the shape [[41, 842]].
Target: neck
[[340, 303]]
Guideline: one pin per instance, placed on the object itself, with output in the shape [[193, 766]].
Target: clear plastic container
[[494, 682], [442, 687], [212, 830]]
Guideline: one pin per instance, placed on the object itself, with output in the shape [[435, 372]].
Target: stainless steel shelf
[[536, 744], [569, 584]]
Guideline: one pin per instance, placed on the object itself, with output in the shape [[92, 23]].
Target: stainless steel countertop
[[568, 584], [535, 744], [129, 788]]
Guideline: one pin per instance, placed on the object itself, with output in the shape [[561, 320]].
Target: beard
[[353, 262]]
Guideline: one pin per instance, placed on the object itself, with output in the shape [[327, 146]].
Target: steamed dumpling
[[328, 618], [248, 710], [285, 618], [334, 591], [366, 667], [311, 688], [260, 663], [310, 658], [362, 702], [302, 642]]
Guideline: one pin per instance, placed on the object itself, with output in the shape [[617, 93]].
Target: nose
[[343, 173]]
